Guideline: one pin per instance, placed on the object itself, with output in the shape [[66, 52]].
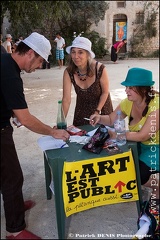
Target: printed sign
[[95, 182]]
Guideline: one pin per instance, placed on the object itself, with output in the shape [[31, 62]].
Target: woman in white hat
[[90, 81], [7, 44]]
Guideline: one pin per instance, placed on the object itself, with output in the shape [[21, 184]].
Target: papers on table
[[48, 142], [79, 139]]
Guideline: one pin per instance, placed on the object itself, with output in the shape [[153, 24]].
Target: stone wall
[[105, 27]]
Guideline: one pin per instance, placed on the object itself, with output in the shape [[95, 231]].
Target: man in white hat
[[7, 44], [28, 56]]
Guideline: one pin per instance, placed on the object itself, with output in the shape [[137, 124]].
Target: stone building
[[127, 19]]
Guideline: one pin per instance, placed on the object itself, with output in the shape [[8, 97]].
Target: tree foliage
[[144, 32], [28, 16], [84, 14], [49, 17]]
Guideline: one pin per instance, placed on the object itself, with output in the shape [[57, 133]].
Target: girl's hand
[[94, 119]]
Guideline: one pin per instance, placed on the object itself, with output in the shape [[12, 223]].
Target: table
[[53, 163]]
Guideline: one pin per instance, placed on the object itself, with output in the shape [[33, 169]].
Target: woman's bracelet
[[98, 111]]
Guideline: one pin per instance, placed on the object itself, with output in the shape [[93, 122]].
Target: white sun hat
[[39, 44], [81, 42], [8, 35]]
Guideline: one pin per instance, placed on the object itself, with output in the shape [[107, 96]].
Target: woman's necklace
[[82, 76]]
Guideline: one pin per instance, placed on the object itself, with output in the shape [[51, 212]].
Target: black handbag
[[97, 141]]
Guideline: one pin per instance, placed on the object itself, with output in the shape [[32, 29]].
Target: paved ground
[[43, 89]]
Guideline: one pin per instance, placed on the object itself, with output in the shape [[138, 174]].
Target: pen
[[67, 141], [63, 145]]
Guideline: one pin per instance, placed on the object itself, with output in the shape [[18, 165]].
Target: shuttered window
[[121, 4], [140, 18]]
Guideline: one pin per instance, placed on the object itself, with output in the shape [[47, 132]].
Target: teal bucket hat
[[138, 77]]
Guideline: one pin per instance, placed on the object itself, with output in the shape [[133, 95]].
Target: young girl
[[142, 109]]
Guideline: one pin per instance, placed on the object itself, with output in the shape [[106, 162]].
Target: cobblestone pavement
[[43, 89]]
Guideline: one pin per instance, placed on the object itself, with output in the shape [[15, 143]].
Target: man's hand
[[60, 133]]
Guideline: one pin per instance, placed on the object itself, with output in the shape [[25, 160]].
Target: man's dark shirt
[[12, 96]]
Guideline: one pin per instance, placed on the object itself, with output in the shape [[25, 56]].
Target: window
[[140, 18], [121, 4]]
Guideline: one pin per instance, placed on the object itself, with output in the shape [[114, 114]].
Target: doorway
[[119, 29]]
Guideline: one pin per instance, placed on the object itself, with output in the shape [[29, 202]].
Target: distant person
[[20, 38], [7, 43], [90, 80], [15, 44], [3, 50], [115, 49], [46, 64], [28, 56], [59, 49]]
